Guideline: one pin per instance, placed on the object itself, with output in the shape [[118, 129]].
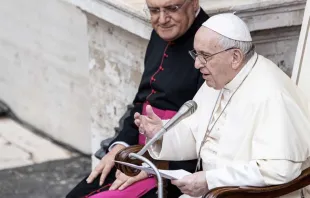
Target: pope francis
[[252, 124]]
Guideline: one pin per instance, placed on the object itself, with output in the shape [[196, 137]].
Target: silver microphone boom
[[187, 109]]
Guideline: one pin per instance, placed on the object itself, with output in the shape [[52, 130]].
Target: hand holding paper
[[194, 185]]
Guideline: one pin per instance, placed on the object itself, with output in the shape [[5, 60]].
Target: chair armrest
[[262, 192], [123, 156]]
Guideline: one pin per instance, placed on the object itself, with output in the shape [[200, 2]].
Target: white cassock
[[262, 137]]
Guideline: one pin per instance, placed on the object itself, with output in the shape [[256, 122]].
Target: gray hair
[[246, 47]]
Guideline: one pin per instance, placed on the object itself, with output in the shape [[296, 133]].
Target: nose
[[163, 18], [198, 63]]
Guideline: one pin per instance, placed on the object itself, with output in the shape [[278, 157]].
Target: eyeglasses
[[168, 10], [202, 57]]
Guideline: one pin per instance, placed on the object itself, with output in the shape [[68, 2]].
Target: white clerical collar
[[233, 85], [197, 12]]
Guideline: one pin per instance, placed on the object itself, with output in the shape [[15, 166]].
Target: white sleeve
[[115, 143], [177, 144], [277, 172], [256, 173]]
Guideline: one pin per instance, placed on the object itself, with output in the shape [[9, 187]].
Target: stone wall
[[116, 65], [43, 67], [279, 45]]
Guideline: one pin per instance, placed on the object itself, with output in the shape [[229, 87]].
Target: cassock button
[[161, 68], [166, 55]]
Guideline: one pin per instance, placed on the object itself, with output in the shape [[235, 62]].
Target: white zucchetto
[[230, 26]]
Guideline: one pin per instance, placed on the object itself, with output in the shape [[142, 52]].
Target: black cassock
[[168, 81]]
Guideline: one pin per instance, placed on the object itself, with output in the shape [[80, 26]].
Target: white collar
[[197, 12], [234, 83]]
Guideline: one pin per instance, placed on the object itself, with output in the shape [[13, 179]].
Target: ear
[[237, 59], [196, 4]]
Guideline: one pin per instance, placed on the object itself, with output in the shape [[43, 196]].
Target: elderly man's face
[[216, 70], [171, 23]]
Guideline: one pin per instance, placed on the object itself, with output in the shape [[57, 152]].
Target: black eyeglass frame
[[194, 54], [168, 10]]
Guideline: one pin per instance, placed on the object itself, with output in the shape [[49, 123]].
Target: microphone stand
[[159, 179], [140, 157], [187, 109], [156, 137]]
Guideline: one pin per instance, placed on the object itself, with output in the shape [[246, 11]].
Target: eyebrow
[[203, 53], [172, 4]]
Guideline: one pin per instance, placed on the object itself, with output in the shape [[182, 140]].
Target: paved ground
[[21, 147], [32, 166], [46, 180]]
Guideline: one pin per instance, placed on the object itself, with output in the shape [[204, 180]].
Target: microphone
[[187, 109]]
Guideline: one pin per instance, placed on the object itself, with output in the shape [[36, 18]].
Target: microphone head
[[188, 108], [192, 105]]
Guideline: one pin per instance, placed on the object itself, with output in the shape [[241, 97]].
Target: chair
[[223, 192], [262, 192]]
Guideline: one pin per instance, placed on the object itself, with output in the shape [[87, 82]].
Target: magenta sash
[[139, 188]]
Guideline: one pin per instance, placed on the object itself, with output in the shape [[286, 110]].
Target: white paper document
[[168, 174]]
